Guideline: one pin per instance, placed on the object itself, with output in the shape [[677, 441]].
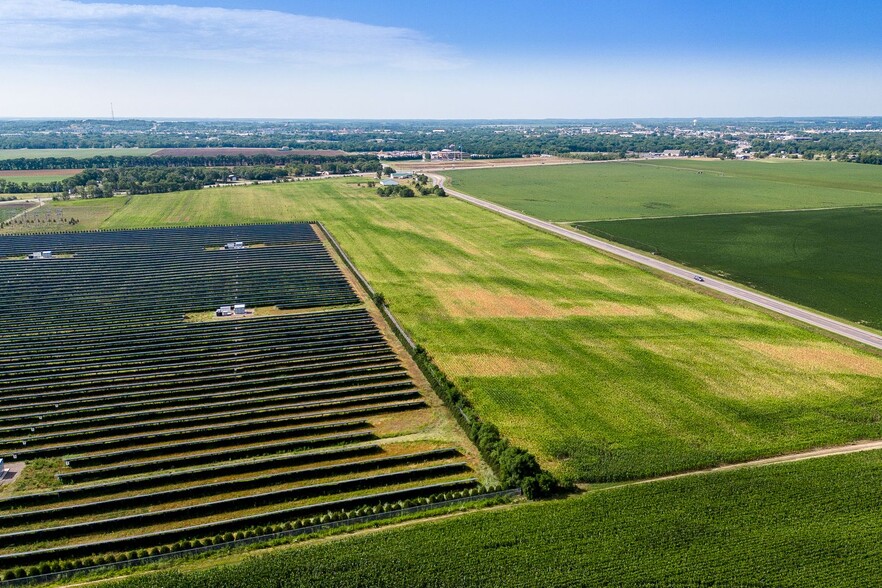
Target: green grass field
[[34, 179], [830, 260], [597, 191], [603, 370], [811, 523]]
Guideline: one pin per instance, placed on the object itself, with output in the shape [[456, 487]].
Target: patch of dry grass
[[818, 358]]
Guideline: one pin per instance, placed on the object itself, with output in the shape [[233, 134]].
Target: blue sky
[[447, 59]]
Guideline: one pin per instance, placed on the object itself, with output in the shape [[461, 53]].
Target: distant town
[[855, 138]]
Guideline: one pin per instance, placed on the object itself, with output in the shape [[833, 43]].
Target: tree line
[[852, 147], [103, 183], [332, 164]]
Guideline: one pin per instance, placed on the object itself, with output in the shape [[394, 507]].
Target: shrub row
[[266, 532], [227, 505], [227, 525], [515, 466]]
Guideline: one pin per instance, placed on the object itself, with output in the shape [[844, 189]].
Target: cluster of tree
[[339, 164], [399, 190], [104, 183], [421, 183], [874, 158], [479, 140], [854, 147], [260, 172]]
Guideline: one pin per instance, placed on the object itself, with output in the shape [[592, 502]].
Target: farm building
[[671, 153], [388, 183], [401, 175]]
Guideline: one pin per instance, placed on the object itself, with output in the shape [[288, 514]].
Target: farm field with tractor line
[[824, 259], [654, 188], [603, 370]]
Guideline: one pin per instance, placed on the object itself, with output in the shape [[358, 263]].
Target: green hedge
[[515, 467]]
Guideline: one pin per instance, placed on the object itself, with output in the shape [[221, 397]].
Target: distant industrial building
[[447, 155], [40, 255], [400, 154]]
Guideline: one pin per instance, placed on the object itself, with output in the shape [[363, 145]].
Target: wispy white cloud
[[71, 29]]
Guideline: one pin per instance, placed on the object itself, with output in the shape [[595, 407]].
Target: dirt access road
[[780, 459]]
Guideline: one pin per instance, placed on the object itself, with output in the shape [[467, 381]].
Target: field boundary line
[[381, 305], [741, 293], [699, 214], [756, 463]]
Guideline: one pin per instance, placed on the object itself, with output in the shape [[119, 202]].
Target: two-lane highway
[[800, 314]]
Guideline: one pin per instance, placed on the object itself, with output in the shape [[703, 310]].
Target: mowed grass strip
[[44, 176], [596, 191], [603, 370], [830, 260], [811, 523]]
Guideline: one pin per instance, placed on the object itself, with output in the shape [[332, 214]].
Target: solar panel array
[[172, 430]]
